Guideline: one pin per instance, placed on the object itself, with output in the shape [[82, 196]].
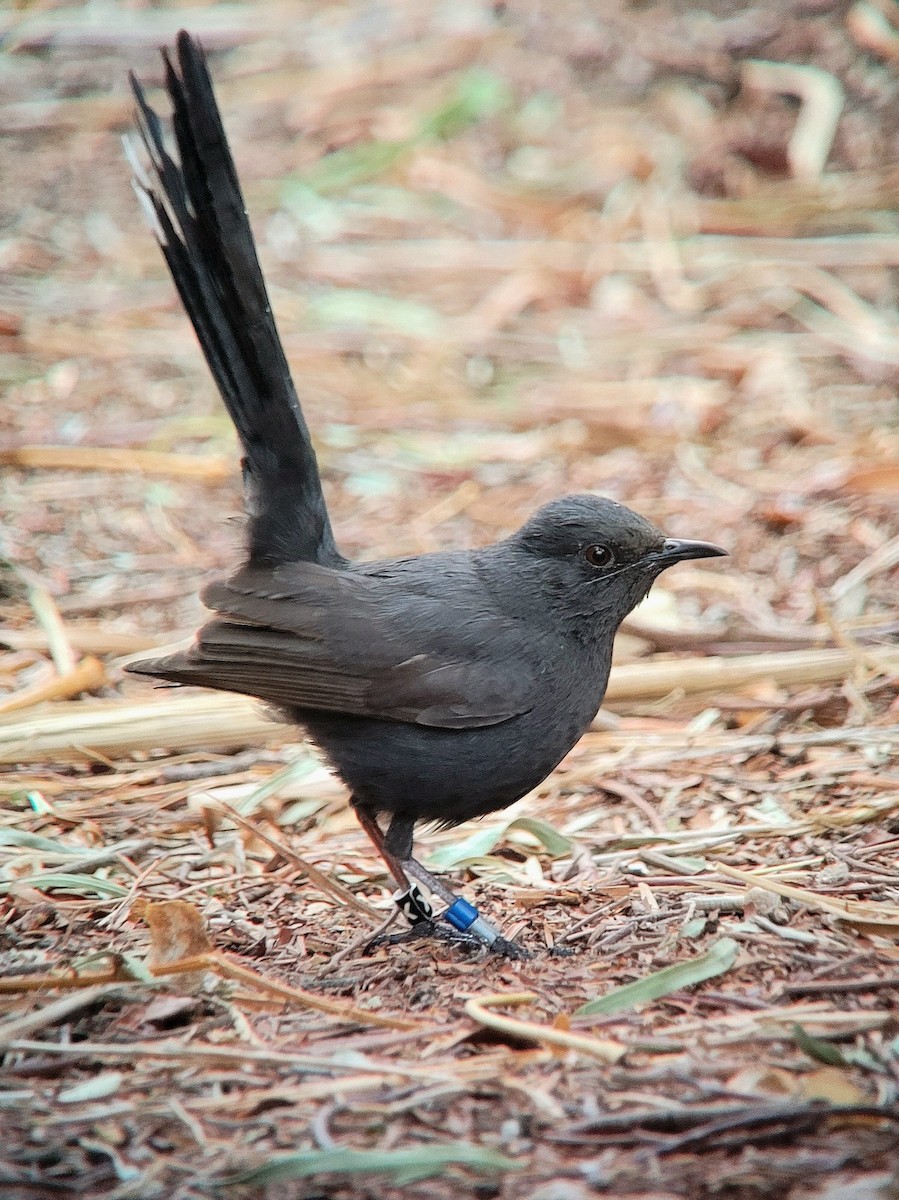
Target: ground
[[515, 250]]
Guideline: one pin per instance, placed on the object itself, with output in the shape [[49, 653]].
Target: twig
[[358, 943], [210, 468], [794, 1119], [223, 965], [855, 911], [604, 1049], [872, 31], [173, 1051], [87, 676], [674, 1120], [330, 886], [821, 103], [85, 637], [653, 680], [187, 719], [219, 964], [44, 607], [826, 987], [57, 1011]]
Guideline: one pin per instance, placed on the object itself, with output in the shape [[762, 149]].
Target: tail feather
[[203, 229]]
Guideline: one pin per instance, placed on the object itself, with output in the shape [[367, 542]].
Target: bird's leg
[[409, 899], [459, 913]]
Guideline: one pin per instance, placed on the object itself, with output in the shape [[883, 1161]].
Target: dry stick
[[318, 877], [347, 951], [88, 676], [703, 253], [604, 1049], [220, 965], [58, 1010], [72, 678], [44, 608], [839, 986], [821, 101], [210, 468], [180, 721], [674, 1120], [856, 911], [14, 985], [873, 31], [882, 559], [794, 1118], [485, 1066], [85, 637], [654, 680], [157, 593]]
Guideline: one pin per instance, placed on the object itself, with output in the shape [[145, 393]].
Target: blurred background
[[515, 250]]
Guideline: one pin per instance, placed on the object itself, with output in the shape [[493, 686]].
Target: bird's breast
[[451, 775]]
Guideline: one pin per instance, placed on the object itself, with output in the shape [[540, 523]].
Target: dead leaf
[[763, 1081], [177, 931], [873, 479], [831, 1084]]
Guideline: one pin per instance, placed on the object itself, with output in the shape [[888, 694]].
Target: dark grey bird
[[439, 687]]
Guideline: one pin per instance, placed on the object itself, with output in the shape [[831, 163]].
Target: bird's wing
[[309, 637]]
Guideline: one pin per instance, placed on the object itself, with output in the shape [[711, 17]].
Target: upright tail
[[198, 214]]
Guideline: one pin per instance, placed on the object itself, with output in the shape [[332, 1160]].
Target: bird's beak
[[678, 549]]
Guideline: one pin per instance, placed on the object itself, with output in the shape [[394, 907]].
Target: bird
[[439, 687]]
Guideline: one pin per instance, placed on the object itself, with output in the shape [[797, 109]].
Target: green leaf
[[819, 1050], [79, 885], [33, 841], [554, 842], [480, 843], [694, 928], [294, 772], [718, 959], [352, 165], [355, 306], [407, 1165], [479, 94]]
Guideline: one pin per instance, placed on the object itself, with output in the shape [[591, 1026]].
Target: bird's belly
[[447, 775]]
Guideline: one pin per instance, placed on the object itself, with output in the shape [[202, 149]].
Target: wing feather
[[307, 636]]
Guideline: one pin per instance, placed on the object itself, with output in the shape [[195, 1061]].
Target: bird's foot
[[503, 948], [459, 913], [426, 927], [429, 928], [468, 928]]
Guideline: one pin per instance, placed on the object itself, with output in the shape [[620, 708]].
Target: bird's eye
[[599, 556]]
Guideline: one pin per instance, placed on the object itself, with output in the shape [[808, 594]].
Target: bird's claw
[[506, 949], [427, 927], [467, 927]]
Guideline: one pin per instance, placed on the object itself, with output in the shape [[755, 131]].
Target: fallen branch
[[604, 1049], [652, 680], [214, 961], [208, 467], [88, 676]]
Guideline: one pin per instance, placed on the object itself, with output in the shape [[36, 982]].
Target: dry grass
[[646, 251]]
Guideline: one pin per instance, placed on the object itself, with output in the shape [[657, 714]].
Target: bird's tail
[[198, 214]]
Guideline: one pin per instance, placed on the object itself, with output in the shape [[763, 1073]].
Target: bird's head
[[597, 558]]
